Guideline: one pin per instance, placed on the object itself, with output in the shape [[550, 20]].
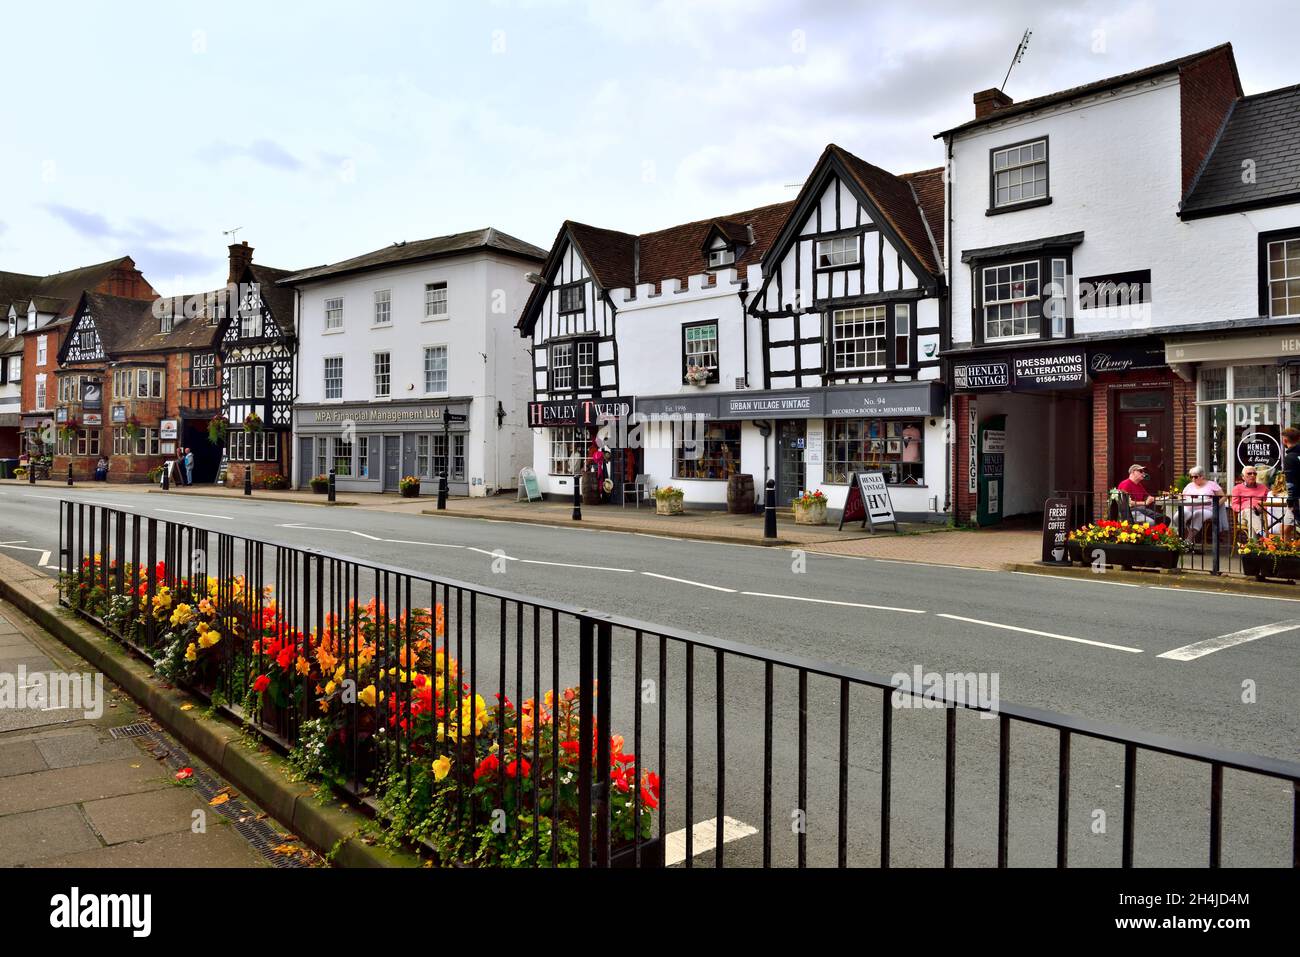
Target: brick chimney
[[241, 257], [990, 101]]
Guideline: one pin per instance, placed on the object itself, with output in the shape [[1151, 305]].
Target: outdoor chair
[[639, 489]]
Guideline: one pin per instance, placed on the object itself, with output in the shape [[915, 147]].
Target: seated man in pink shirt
[[1248, 501]]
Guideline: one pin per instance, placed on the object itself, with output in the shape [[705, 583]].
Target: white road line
[[1210, 645], [1225, 594], [704, 837], [899, 561], [21, 545], [399, 541], [827, 601], [593, 568], [33, 495], [176, 511], [345, 531], [1042, 634], [1070, 578], [687, 581]]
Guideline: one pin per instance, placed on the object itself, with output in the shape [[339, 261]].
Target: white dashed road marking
[[1042, 634], [176, 511], [1210, 645], [827, 601], [704, 837], [687, 581]]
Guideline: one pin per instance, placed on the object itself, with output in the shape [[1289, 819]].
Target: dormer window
[[13, 326], [166, 323]]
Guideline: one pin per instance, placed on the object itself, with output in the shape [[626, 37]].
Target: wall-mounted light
[[501, 413]]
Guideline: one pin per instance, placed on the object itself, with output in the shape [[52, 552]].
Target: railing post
[[577, 496], [586, 629], [442, 492], [603, 690], [1214, 530], [248, 481], [331, 489], [769, 510], [69, 475]]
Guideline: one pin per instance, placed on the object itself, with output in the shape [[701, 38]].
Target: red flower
[[184, 774], [648, 799], [261, 683], [619, 777], [513, 769], [285, 657], [487, 766]]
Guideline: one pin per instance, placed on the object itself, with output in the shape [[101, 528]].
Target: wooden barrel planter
[[740, 494]]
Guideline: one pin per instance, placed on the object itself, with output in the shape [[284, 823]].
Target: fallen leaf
[[219, 800], [187, 707], [135, 765]]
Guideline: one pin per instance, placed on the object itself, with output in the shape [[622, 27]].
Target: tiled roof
[[1263, 135], [929, 187], [56, 293], [610, 255], [893, 196], [423, 249], [278, 297], [1087, 89]]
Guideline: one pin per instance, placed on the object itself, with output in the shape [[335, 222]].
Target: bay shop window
[[895, 447], [1242, 411], [570, 446]]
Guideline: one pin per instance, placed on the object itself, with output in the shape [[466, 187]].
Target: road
[[1214, 669]]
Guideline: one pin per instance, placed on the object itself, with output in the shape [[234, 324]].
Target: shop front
[[591, 437], [805, 439], [372, 446], [1247, 392], [1066, 420]]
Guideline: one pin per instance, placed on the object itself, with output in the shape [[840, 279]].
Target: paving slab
[[134, 817], [221, 846], [90, 782], [85, 746], [32, 662], [34, 835], [18, 719], [21, 757]]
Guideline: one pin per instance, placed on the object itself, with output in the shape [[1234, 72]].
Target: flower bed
[[376, 698], [1127, 544]]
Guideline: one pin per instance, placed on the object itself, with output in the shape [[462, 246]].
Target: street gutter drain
[[136, 730], [256, 831]]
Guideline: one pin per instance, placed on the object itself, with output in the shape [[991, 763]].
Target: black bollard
[[442, 492], [167, 476], [769, 510], [331, 498], [69, 474], [577, 496], [31, 470], [248, 480]]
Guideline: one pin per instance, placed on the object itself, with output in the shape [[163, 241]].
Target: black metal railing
[[833, 765]]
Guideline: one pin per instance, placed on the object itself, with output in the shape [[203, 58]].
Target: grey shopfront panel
[[886, 399]]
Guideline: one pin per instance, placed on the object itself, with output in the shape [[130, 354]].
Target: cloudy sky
[[327, 129]]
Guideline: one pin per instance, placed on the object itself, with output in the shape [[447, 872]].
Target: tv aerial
[[1019, 55]]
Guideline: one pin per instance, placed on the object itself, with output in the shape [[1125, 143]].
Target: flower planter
[[412, 491], [1285, 567], [1126, 556], [669, 506], [652, 855], [319, 489], [810, 514]]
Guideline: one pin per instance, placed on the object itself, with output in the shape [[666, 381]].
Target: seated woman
[[101, 469], [1248, 502], [1200, 505]]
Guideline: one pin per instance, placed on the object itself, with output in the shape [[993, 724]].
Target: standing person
[[1291, 469], [1141, 501], [189, 466]]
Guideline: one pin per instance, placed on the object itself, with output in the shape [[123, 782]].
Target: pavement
[[72, 794], [1145, 653]]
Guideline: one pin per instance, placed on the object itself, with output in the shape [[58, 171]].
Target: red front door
[[1142, 437]]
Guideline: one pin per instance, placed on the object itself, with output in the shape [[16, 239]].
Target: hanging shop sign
[[119, 413], [92, 394], [868, 501], [168, 429], [92, 418], [586, 412], [1056, 531], [981, 376], [1260, 450]]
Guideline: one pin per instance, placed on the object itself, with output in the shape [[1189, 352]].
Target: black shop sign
[[1056, 531], [587, 412]]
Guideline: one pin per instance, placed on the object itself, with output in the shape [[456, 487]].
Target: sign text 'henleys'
[[577, 411]]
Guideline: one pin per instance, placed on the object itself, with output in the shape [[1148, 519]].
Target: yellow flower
[[441, 768], [304, 666], [367, 696], [209, 638], [191, 653]]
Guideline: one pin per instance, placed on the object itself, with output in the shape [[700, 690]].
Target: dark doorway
[[791, 437], [1143, 437], [207, 456], [392, 462]]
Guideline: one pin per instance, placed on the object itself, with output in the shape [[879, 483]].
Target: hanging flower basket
[[252, 422], [668, 500], [68, 430], [133, 428], [217, 429]]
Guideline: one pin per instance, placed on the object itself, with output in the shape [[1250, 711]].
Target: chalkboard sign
[[1056, 529], [223, 469], [868, 501], [528, 487]]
